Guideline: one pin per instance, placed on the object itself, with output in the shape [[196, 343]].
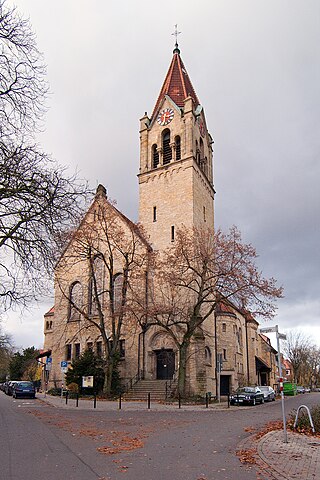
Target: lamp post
[[280, 336]]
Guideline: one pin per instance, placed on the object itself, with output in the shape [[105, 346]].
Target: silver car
[[268, 393]]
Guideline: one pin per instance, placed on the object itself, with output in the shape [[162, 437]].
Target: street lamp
[[280, 336]]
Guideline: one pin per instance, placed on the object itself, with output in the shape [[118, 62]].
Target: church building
[[176, 188]]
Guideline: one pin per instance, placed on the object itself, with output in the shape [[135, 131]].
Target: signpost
[[280, 336]]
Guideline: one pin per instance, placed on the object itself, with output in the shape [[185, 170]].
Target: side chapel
[[175, 188]]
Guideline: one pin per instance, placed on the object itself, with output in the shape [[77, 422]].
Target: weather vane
[[176, 33]]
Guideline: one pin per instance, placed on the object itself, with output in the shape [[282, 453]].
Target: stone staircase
[[156, 388]]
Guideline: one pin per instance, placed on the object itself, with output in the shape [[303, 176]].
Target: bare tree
[[23, 86], [109, 254], [37, 199], [297, 349], [198, 271]]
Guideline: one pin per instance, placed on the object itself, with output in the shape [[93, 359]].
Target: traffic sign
[[64, 364], [49, 360]]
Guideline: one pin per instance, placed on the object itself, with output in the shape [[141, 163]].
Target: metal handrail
[[131, 382], [309, 415]]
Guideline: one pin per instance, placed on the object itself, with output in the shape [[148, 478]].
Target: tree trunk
[[183, 350], [108, 370]]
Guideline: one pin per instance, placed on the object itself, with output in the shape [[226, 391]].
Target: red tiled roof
[[177, 84], [50, 312]]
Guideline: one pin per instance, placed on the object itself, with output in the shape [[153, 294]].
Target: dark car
[[247, 395], [9, 387], [24, 389], [268, 392]]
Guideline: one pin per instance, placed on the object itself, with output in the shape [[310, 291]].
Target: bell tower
[[176, 171]]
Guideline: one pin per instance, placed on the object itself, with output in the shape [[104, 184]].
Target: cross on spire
[[176, 33]]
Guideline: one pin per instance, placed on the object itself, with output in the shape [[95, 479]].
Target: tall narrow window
[[68, 351], [99, 348], [154, 214], [172, 233], [224, 354], [76, 350], [177, 142], [75, 301], [224, 327], [122, 347], [204, 214], [96, 286], [155, 156], [117, 292], [167, 152]]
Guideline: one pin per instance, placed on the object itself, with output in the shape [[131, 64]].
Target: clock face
[[165, 116]]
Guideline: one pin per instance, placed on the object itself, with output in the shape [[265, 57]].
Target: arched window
[[96, 286], [208, 356], [75, 301], [177, 142], [155, 156], [167, 152], [197, 153], [117, 291]]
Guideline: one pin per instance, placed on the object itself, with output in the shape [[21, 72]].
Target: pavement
[[297, 458]]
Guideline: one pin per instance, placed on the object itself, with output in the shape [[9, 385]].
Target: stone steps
[[139, 391]]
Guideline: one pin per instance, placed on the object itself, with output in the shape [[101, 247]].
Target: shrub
[[303, 423]]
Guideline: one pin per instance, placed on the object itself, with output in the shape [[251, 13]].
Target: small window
[[224, 327], [90, 346], [172, 233], [204, 214], [76, 350], [99, 349], [178, 148], [122, 347], [154, 214], [68, 351], [224, 354], [155, 156]]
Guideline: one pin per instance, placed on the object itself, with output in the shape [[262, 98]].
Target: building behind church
[[176, 188]]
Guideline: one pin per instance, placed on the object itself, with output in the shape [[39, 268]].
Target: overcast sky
[[255, 65]]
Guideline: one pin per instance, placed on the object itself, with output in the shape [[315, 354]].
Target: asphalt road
[[38, 441]]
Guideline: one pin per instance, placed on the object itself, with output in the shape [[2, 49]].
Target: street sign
[[64, 366], [49, 360], [268, 329], [282, 336]]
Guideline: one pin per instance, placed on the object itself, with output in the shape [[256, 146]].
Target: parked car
[[300, 389], [268, 393], [247, 395], [24, 389], [9, 387], [307, 389]]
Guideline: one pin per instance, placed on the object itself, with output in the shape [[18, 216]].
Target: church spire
[[177, 84]]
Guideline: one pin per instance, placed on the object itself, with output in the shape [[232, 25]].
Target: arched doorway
[[165, 363]]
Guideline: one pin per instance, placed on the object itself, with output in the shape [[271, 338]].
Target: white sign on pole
[[87, 382]]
